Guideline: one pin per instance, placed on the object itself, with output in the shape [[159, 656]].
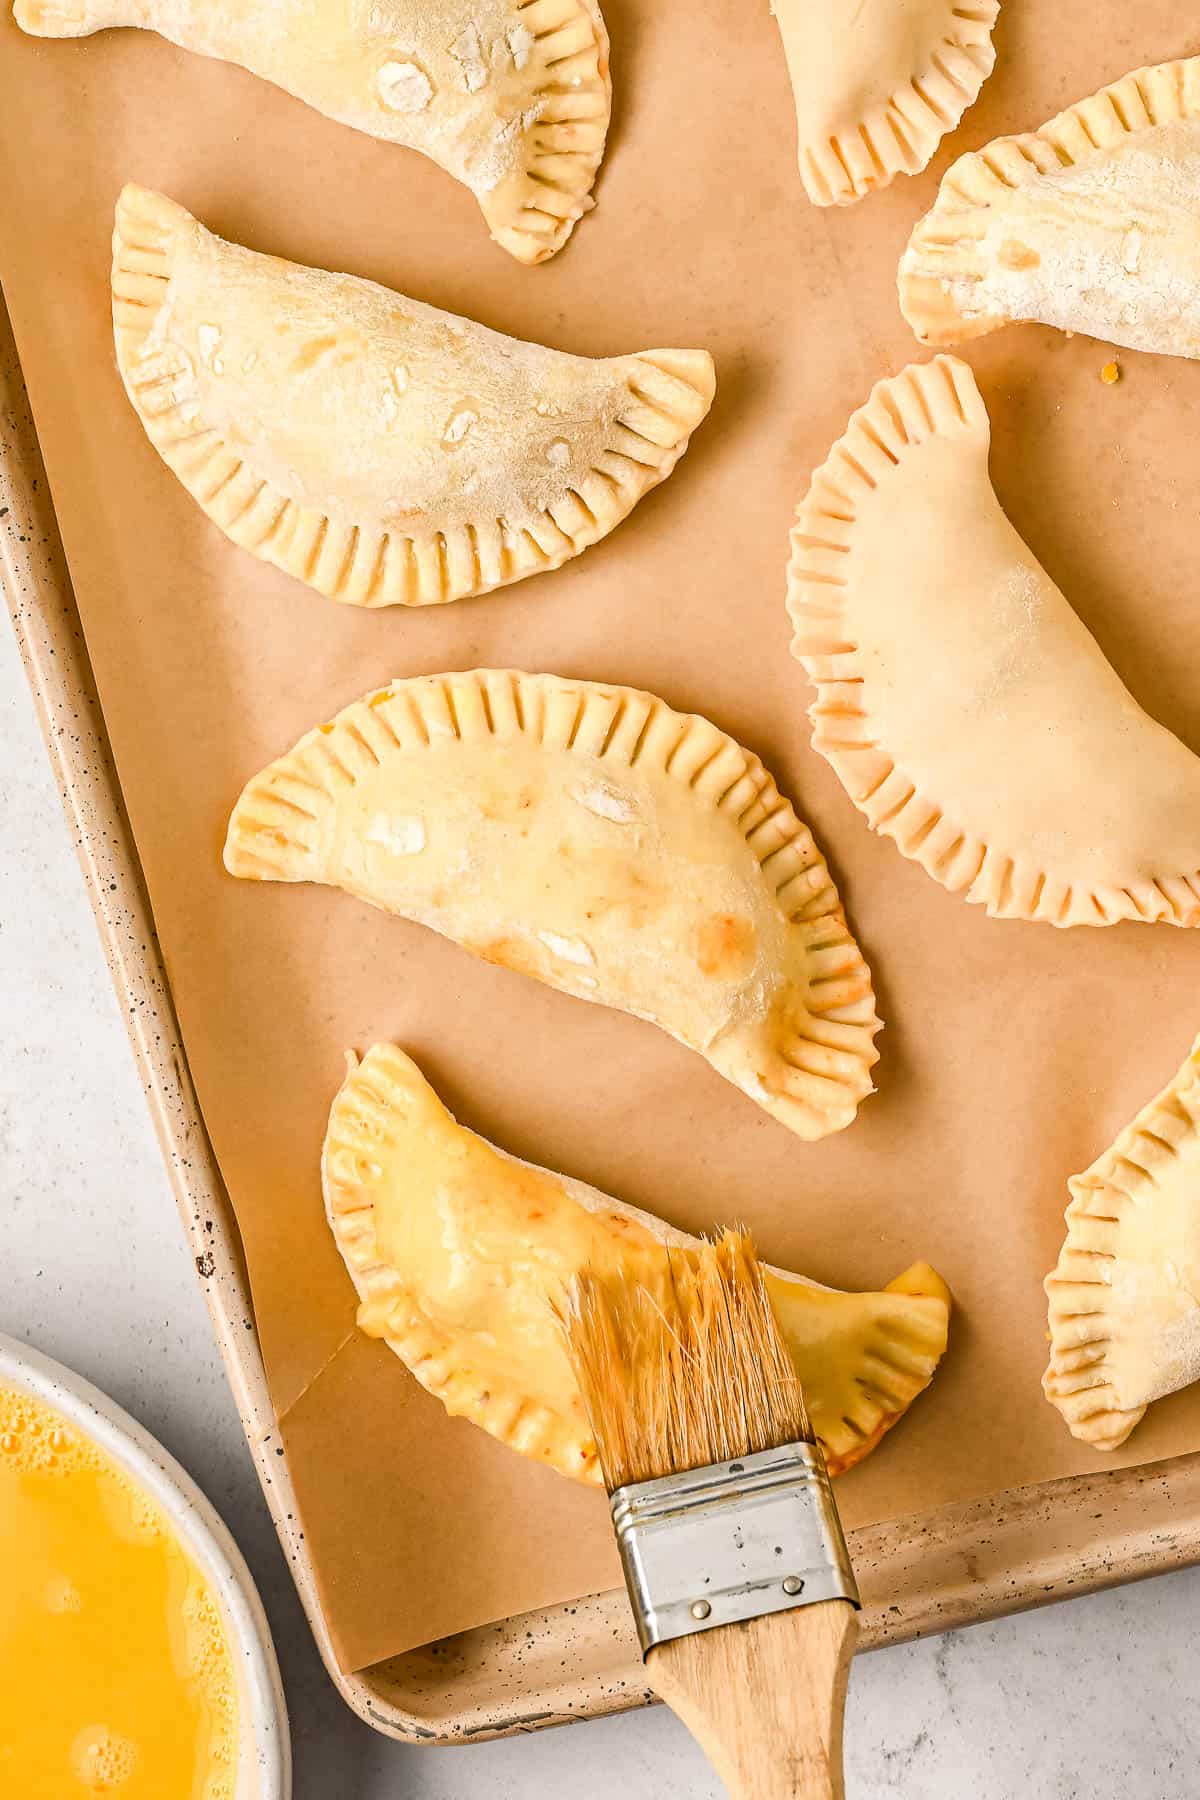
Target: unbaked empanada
[[595, 839], [511, 97], [878, 85], [966, 709], [1091, 224], [382, 451], [1125, 1296], [459, 1253]]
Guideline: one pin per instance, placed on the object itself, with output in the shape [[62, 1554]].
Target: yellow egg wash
[[115, 1672], [496, 1243]]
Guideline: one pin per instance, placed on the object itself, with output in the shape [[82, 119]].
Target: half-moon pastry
[[511, 97], [595, 839], [1091, 223], [380, 450], [878, 85], [968, 712], [1125, 1295], [459, 1253]]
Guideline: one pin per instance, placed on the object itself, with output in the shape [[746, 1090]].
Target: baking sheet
[[1012, 1052]]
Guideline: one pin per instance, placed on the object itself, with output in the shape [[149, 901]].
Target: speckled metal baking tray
[[927, 1573]]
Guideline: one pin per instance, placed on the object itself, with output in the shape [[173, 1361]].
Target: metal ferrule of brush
[[734, 1541]]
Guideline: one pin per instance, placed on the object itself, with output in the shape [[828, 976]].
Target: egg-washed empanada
[[511, 97], [1091, 223], [459, 1254], [380, 450], [877, 85], [593, 838], [967, 710], [1125, 1296]]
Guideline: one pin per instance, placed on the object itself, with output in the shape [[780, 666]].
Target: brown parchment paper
[[1012, 1052]]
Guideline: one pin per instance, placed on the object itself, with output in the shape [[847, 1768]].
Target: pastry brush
[[734, 1557]]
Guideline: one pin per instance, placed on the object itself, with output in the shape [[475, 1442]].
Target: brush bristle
[[683, 1366]]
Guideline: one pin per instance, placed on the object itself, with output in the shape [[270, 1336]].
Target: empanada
[[966, 709], [1125, 1296], [382, 451], [511, 97], [595, 839], [877, 85], [459, 1252], [1091, 224]]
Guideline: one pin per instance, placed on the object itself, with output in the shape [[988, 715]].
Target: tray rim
[[963, 1564]]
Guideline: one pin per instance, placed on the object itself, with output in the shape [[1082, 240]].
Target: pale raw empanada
[[966, 709], [1125, 1296], [511, 97], [459, 1253], [1091, 223], [382, 451], [878, 84], [595, 839]]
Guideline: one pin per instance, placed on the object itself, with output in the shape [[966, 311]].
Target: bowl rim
[[205, 1535]]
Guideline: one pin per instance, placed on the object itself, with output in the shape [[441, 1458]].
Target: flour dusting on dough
[[467, 52], [520, 44], [401, 833], [404, 87], [1113, 247], [605, 800], [572, 950]]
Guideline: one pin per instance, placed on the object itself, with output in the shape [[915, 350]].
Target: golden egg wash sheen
[[116, 1673]]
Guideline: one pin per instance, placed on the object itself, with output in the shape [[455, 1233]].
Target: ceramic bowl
[[264, 1747]]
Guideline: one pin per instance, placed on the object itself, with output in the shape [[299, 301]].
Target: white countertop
[[1095, 1698]]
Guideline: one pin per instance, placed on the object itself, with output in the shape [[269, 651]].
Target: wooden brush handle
[[765, 1699]]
